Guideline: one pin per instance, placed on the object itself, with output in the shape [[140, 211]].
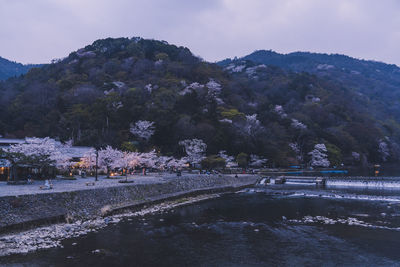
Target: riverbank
[[51, 236], [26, 210]]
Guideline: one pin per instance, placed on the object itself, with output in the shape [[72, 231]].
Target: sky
[[37, 31]]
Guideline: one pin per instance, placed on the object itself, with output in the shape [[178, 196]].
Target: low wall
[[28, 210]]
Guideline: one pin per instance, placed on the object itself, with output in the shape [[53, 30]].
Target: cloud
[[38, 31]]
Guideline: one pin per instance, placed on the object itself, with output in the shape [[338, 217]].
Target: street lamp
[[97, 161]]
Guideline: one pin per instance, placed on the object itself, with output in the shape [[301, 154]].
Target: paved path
[[61, 185]]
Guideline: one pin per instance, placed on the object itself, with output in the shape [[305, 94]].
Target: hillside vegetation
[[275, 109]]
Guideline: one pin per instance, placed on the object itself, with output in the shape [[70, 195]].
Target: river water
[[290, 225]]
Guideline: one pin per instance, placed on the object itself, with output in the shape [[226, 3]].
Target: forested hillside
[[97, 93], [12, 69], [378, 83]]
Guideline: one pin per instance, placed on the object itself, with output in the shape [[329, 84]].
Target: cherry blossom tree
[[110, 158], [43, 151], [162, 162], [298, 125], [280, 111], [149, 88], [177, 163], [127, 160], [191, 87], [88, 160], [383, 149], [257, 161], [319, 156], [40, 152], [252, 124], [296, 149], [148, 159], [214, 91], [142, 129], [229, 160], [134, 159], [195, 150]]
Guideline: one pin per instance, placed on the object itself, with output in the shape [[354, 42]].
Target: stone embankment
[[29, 210]]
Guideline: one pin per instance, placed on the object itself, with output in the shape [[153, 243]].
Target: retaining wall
[[29, 210]]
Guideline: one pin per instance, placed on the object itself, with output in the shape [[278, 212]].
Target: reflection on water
[[255, 227]]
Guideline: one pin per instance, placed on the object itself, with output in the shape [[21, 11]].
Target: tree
[[45, 149], [229, 160], [195, 150], [241, 159], [213, 162], [297, 150], [177, 163], [128, 160], [110, 158], [252, 124], [280, 111], [334, 154], [88, 160], [383, 150], [319, 156], [214, 90], [257, 161], [40, 152], [148, 159], [298, 125], [162, 162], [143, 129]]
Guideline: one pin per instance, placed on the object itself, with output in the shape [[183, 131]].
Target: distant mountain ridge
[[13, 69], [306, 61], [378, 82]]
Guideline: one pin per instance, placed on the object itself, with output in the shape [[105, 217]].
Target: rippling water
[[261, 226]]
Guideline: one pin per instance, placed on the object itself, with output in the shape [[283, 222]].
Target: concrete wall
[[28, 210]]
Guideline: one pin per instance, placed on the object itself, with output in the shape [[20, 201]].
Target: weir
[[360, 182]]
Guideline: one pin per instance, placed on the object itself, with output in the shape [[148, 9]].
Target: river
[[290, 225]]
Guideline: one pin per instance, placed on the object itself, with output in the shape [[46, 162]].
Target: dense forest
[[13, 69], [275, 109]]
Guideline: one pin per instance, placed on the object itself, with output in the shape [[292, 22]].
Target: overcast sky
[[36, 31]]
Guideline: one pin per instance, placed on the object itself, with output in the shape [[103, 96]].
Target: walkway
[[62, 185]]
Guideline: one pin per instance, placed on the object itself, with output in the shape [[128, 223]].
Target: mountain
[[12, 69], [96, 93], [377, 82]]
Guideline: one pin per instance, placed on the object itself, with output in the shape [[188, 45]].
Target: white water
[[393, 199], [347, 221], [363, 183]]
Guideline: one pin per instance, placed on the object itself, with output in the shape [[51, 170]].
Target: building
[[75, 152]]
